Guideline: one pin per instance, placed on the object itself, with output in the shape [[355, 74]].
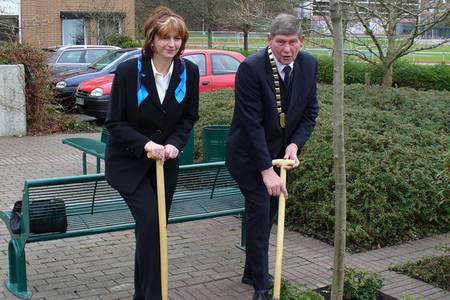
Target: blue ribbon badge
[[142, 92], [180, 91]]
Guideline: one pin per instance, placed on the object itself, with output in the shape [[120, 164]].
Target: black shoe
[[249, 280], [261, 295]]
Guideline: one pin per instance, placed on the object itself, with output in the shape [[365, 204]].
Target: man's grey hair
[[285, 24]]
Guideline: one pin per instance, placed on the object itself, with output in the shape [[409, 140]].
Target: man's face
[[285, 47]]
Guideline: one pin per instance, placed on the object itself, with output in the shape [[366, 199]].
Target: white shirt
[[161, 81], [280, 67]]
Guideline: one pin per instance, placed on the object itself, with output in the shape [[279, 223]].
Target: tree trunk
[[390, 51], [246, 28], [210, 42], [388, 75], [337, 289]]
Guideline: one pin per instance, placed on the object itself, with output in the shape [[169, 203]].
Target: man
[[274, 115]]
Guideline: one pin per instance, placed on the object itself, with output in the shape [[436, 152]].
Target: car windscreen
[[105, 60]]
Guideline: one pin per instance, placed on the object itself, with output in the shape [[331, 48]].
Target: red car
[[217, 71]]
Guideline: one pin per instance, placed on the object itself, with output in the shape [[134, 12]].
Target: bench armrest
[[87, 145], [5, 216]]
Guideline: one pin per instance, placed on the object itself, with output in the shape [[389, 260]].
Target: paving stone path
[[204, 262]]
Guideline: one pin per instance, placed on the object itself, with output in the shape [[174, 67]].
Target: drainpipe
[[20, 21]]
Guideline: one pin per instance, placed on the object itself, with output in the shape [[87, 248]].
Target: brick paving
[[204, 262]]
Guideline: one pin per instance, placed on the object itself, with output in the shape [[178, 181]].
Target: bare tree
[[388, 15], [338, 150], [382, 42], [247, 14], [210, 12]]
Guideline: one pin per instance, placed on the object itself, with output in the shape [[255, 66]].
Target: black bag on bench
[[45, 216]]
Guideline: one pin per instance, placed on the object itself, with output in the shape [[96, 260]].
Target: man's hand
[[170, 151], [291, 153], [273, 183], [157, 151]]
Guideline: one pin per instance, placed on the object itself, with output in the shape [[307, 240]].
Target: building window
[[9, 28], [73, 31], [108, 26]]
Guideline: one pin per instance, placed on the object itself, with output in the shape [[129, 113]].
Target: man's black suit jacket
[[132, 126], [255, 136]]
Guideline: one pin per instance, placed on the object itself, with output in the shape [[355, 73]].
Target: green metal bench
[[92, 206], [96, 148]]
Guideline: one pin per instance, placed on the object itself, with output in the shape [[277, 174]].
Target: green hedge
[[398, 162], [423, 77], [123, 41]]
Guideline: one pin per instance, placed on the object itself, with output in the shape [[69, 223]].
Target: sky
[[9, 7]]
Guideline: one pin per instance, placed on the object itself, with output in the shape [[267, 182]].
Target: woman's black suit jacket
[[132, 126]]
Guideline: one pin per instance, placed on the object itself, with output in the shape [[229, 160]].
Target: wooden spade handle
[[160, 188], [280, 228]]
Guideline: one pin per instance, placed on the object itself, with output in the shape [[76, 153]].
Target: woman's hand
[[170, 151], [156, 151]]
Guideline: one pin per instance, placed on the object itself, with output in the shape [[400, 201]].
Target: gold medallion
[[282, 120]]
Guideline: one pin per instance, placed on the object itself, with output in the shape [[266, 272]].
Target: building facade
[[46, 23]]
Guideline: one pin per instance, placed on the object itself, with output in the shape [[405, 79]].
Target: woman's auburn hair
[[164, 22]]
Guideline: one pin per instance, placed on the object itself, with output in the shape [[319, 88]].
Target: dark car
[[67, 83], [217, 71], [66, 58]]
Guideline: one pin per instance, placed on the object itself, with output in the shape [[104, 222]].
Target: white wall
[[13, 121]]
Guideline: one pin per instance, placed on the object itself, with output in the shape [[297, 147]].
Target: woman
[[154, 105]]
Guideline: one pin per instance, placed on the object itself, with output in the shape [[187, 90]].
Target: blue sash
[[142, 93]]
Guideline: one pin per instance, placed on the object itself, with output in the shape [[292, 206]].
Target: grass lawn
[[434, 270]]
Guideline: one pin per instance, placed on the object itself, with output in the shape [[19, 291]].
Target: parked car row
[[66, 83], [89, 88]]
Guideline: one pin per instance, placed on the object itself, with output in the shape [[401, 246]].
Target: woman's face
[[166, 46]]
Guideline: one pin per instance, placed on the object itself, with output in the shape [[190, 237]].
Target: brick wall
[[42, 24]]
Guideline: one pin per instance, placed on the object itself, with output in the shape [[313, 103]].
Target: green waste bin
[[214, 142], [187, 153]]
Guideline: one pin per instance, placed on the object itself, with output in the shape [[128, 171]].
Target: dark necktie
[[287, 86], [287, 77]]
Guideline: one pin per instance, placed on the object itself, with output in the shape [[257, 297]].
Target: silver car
[[65, 58]]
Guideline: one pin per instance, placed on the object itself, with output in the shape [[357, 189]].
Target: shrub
[[293, 292], [123, 41], [41, 117], [361, 285], [432, 270], [38, 89], [354, 72], [216, 108], [421, 77], [397, 164]]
